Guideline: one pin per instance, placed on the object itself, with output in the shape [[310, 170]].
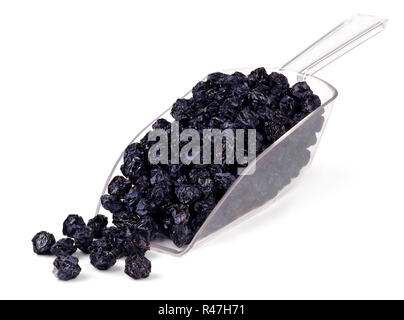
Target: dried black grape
[[158, 176], [122, 242], [287, 105], [300, 90], [72, 223], [100, 244], [135, 245], [63, 247], [102, 260], [119, 186], [246, 119], [310, 103], [137, 267], [83, 239], [66, 268], [161, 194], [202, 178], [144, 207], [142, 184], [42, 242], [258, 75], [97, 224], [131, 199], [278, 83], [146, 228], [162, 124], [134, 164], [125, 219], [188, 193], [112, 203], [181, 234], [179, 213], [181, 109], [223, 181]]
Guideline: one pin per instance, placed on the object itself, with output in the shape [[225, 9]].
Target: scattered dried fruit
[[102, 260], [137, 267], [172, 201], [43, 242], [66, 268], [72, 224], [63, 247]]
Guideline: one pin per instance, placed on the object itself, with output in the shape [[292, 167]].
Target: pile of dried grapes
[[153, 201]]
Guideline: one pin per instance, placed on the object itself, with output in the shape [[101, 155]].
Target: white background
[[78, 80]]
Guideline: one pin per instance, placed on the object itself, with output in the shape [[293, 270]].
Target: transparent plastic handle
[[340, 40]]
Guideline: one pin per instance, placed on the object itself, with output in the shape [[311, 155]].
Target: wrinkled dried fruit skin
[[63, 247], [66, 268], [181, 234], [102, 260], [122, 241], [97, 225], [83, 239], [112, 203], [72, 224], [174, 200], [119, 186], [42, 242], [137, 267]]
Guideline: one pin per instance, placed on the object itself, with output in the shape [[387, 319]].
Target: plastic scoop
[[279, 166]]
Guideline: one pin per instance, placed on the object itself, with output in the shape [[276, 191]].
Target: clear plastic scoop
[[279, 166]]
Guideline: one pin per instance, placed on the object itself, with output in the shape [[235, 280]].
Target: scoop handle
[[343, 38]]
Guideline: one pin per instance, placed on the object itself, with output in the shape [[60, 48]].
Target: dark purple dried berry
[[160, 194], [188, 193], [134, 164], [72, 223], [83, 239], [135, 245], [100, 244], [300, 90], [66, 268], [162, 124], [102, 260], [181, 234], [146, 228], [158, 176], [181, 109], [223, 181], [246, 119], [63, 247], [287, 106], [134, 150], [179, 213], [124, 219], [310, 103], [97, 224], [201, 211], [112, 203], [201, 177], [137, 267], [142, 184], [278, 83], [132, 198], [258, 75], [119, 186], [144, 207], [257, 99], [42, 242]]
